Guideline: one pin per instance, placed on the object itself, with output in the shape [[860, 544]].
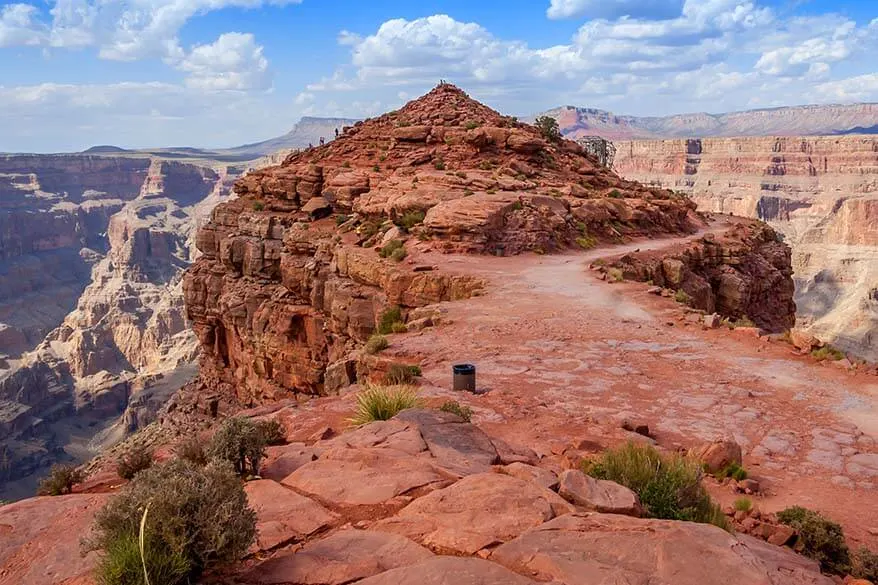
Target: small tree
[[133, 462], [821, 538], [240, 442], [60, 480], [548, 128]]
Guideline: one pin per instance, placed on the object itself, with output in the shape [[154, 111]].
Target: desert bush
[[390, 316], [193, 517], [400, 374], [827, 352], [471, 125], [467, 192], [192, 450], [669, 486], [60, 480], [454, 407], [383, 403], [439, 165], [399, 328], [258, 206], [240, 442], [681, 296], [865, 565], [732, 470], [821, 539], [390, 247], [272, 432], [340, 219], [133, 462], [376, 344], [743, 504], [586, 242], [398, 255], [548, 128], [410, 219], [615, 274]]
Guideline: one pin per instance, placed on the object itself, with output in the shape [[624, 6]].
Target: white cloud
[[18, 26], [859, 88], [614, 8], [233, 62]]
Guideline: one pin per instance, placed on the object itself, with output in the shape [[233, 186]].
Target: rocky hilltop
[[291, 281], [820, 192], [92, 252], [788, 121]]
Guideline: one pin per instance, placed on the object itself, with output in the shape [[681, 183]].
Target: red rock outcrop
[[281, 293]]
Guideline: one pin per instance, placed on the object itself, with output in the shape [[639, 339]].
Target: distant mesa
[[105, 149]]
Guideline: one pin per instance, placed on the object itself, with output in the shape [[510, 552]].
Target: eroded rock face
[[819, 192]]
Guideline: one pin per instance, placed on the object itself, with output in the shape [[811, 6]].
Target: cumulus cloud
[[19, 26], [614, 8], [233, 62]]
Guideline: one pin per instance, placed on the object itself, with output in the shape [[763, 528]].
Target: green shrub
[[467, 192], [398, 255], [471, 125], [376, 169], [390, 247], [460, 175], [192, 450], [454, 407], [272, 432], [400, 374], [399, 328], [615, 194], [732, 470], [548, 128], [865, 565], [410, 219], [439, 165], [681, 296], [60, 480], [486, 165], [827, 352], [743, 504], [193, 518], [821, 539], [258, 206], [133, 462], [240, 442], [340, 219], [383, 403], [586, 242], [669, 486], [376, 344], [616, 274], [390, 316], [517, 206], [346, 164]]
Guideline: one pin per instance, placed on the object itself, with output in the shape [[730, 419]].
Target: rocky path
[[564, 358]]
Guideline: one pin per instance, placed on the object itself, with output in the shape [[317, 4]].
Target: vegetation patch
[[399, 328], [455, 408], [471, 125], [192, 450], [732, 470], [586, 242], [820, 538], [410, 219], [398, 255], [669, 486], [383, 403], [439, 165], [743, 504], [549, 128], [241, 442], [681, 296], [390, 247], [172, 521], [272, 432], [827, 353], [133, 462], [258, 206], [390, 316], [60, 480], [400, 374], [340, 219], [615, 194], [865, 565], [615, 274], [376, 344]]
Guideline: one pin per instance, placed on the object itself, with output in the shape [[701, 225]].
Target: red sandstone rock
[[282, 515], [537, 475], [718, 454], [449, 571], [598, 495]]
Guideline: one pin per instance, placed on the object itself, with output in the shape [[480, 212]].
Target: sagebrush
[[383, 403], [820, 538], [60, 480], [241, 442], [133, 462]]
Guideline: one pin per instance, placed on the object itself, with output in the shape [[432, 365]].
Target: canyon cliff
[[821, 193], [290, 283]]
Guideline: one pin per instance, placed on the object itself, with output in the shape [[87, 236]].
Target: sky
[[217, 73]]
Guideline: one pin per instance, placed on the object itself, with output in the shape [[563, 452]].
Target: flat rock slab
[[363, 477], [283, 515], [393, 434], [476, 512], [597, 494], [282, 460], [344, 557], [449, 571], [585, 549], [538, 475], [459, 447], [40, 539]]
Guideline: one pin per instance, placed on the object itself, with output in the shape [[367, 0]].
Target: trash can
[[464, 376]]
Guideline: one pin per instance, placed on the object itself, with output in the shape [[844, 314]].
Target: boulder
[[362, 477], [476, 512], [584, 549], [344, 557], [537, 475], [597, 494], [718, 454], [282, 460], [411, 133], [282, 515], [803, 340], [449, 571], [317, 207], [458, 447]]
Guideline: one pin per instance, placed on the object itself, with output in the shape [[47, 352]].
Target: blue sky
[[210, 73]]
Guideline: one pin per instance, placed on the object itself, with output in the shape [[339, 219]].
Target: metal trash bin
[[464, 376]]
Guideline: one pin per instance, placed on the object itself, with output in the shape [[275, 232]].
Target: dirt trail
[[566, 357]]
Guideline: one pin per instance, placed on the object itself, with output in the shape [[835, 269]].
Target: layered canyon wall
[[93, 334], [820, 192]]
